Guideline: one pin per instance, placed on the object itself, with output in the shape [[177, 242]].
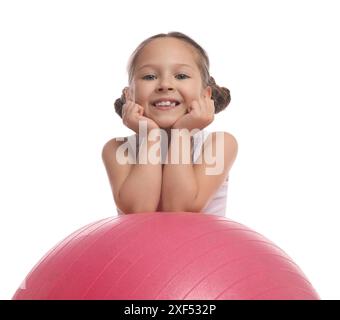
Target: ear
[[208, 92]]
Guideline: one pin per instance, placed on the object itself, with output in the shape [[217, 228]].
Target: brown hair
[[220, 95]]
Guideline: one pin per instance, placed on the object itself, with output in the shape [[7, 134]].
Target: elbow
[[138, 209], [181, 204], [180, 207], [141, 210], [129, 206], [184, 207]]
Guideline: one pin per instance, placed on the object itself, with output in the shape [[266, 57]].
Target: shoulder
[[220, 149], [226, 136], [117, 165], [213, 166], [113, 144], [215, 142], [223, 139], [110, 152]]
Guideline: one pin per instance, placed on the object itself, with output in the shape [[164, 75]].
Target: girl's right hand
[[132, 113]]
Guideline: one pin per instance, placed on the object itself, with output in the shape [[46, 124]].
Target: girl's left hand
[[201, 114]]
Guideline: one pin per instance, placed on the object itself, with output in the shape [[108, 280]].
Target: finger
[[124, 112], [195, 105], [140, 110], [128, 108], [213, 105], [128, 95], [124, 109], [210, 103], [134, 111], [209, 107]]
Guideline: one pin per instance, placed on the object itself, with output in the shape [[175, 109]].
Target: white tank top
[[218, 202]]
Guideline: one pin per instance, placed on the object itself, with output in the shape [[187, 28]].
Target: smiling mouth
[[166, 105]]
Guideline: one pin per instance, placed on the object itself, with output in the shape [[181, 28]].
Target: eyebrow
[[155, 66]]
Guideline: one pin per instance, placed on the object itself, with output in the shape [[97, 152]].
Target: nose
[[164, 85]]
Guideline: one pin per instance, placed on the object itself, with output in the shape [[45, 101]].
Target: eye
[[148, 77], [181, 76]]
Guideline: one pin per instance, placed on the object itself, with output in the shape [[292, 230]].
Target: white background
[[63, 63]]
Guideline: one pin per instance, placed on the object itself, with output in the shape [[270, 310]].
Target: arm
[[135, 187], [189, 187], [141, 190], [179, 186]]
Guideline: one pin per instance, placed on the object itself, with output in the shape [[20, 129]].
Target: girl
[[172, 94]]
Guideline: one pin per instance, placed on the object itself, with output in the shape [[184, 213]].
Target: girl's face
[[166, 69]]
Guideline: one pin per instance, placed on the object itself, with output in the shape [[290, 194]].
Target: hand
[[201, 114], [132, 113]]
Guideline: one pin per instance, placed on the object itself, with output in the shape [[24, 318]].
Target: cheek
[[139, 95], [142, 93], [191, 93]]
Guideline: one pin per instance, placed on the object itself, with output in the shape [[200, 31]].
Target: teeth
[[165, 103]]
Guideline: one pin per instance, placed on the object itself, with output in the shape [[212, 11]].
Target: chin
[[166, 125], [165, 122]]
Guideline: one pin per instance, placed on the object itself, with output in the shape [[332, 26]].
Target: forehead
[[167, 51]]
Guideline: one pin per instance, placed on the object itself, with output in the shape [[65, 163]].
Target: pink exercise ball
[[166, 255]]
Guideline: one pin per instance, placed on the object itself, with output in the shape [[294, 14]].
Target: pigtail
[[119, 104], [220, 95]]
